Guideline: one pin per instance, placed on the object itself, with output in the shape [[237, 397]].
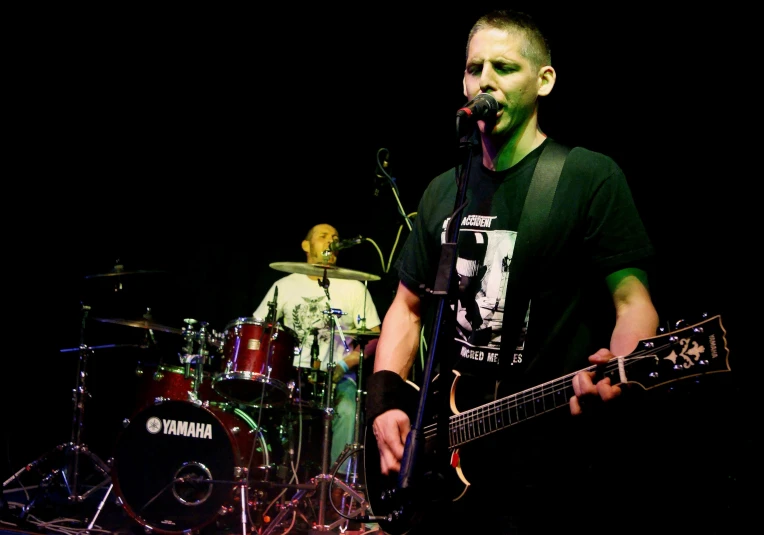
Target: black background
[[203, 144]]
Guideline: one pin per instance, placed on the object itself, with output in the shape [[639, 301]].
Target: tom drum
[[256, 367]]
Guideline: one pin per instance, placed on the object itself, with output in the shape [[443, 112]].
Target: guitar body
[[450, 459], [433, 481]]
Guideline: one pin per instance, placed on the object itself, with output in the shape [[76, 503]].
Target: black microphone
[[273, 306], [338, 245], [483, 106], [315, 362]]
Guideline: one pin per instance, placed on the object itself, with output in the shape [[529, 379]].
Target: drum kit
[[224, 433]]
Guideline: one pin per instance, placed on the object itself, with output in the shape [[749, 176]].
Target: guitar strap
[[531, 236]]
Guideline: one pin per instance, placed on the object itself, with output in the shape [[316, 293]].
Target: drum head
[[175, 466]]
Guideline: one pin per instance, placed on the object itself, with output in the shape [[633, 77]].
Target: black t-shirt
[[593, 230]]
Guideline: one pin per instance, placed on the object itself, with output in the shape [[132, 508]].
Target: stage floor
[[38, 510]]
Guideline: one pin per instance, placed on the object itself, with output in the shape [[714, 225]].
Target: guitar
[[692, 351]]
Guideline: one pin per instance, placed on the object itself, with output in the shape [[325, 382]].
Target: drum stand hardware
[[354, 488], [68, 472], [189, 356], [321, 481], [327, 479]]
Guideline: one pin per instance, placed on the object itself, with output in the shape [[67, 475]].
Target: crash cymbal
[[143, 324], [119, 270], [318, 270]]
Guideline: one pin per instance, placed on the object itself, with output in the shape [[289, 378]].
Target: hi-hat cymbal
[[119, 270], [143, 324], [361, 333], [318, 270]]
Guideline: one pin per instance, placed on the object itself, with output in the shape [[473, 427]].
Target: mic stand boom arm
[[441, 288]]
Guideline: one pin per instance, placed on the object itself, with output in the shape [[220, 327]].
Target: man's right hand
[[391, 428]]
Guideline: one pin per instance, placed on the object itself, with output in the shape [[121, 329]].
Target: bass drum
[[178, 465]]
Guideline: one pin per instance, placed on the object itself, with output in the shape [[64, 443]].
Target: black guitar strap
[[530, 239]]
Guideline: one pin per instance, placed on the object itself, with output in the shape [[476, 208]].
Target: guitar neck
[[692, 351], [481, 421]]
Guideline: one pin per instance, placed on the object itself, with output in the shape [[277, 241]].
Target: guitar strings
[[465, 426]]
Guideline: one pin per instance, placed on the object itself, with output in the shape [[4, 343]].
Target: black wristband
[[386, 390]]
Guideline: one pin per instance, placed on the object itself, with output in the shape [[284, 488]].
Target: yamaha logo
[[173, 427]]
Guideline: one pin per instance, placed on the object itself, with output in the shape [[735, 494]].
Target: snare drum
[[256, 368], [308, 388]]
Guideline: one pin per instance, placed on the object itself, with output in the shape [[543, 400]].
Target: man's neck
[[500, 154]]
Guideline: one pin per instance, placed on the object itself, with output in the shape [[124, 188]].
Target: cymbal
[[119, 270], [318, 270], [359, 333], [143, 324]]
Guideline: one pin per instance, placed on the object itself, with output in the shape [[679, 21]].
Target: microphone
[[315, 361], [273, 306], [482, 106], [338, 245], [381, 177]]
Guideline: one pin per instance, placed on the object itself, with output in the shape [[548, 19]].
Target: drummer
[[309, 307]]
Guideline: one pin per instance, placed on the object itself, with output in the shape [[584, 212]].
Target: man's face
[[320, 239], [495, 65]]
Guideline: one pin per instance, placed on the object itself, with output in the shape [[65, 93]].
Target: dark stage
[[169, 156]]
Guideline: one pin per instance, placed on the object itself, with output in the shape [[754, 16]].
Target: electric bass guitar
[[692, 351]]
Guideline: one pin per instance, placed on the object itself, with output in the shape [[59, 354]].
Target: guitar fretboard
[[496, 415]]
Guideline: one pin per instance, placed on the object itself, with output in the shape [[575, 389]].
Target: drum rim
[[246, 320], [176, 369], [251, 320]]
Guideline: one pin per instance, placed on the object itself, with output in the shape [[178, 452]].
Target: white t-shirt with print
[[301, 305]]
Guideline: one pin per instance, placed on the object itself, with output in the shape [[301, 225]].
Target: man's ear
[[547, 78], [306, 246]]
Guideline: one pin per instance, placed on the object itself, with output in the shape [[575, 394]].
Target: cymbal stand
[[356, 445], [70, 472], [328, 409], [323, 478], [354, 483]]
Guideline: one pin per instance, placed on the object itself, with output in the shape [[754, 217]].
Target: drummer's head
[[317, 241]]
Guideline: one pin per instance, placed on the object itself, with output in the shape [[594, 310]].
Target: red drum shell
[[256, 369]]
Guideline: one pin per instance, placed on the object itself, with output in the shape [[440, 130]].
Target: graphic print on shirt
[[309, 315], [482, 267]]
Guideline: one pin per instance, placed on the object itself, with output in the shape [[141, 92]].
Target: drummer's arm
[[352, 359]]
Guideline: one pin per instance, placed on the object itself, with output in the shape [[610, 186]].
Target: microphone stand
[[441, 288]]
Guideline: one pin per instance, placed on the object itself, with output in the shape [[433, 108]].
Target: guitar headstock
[[688, 351]]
